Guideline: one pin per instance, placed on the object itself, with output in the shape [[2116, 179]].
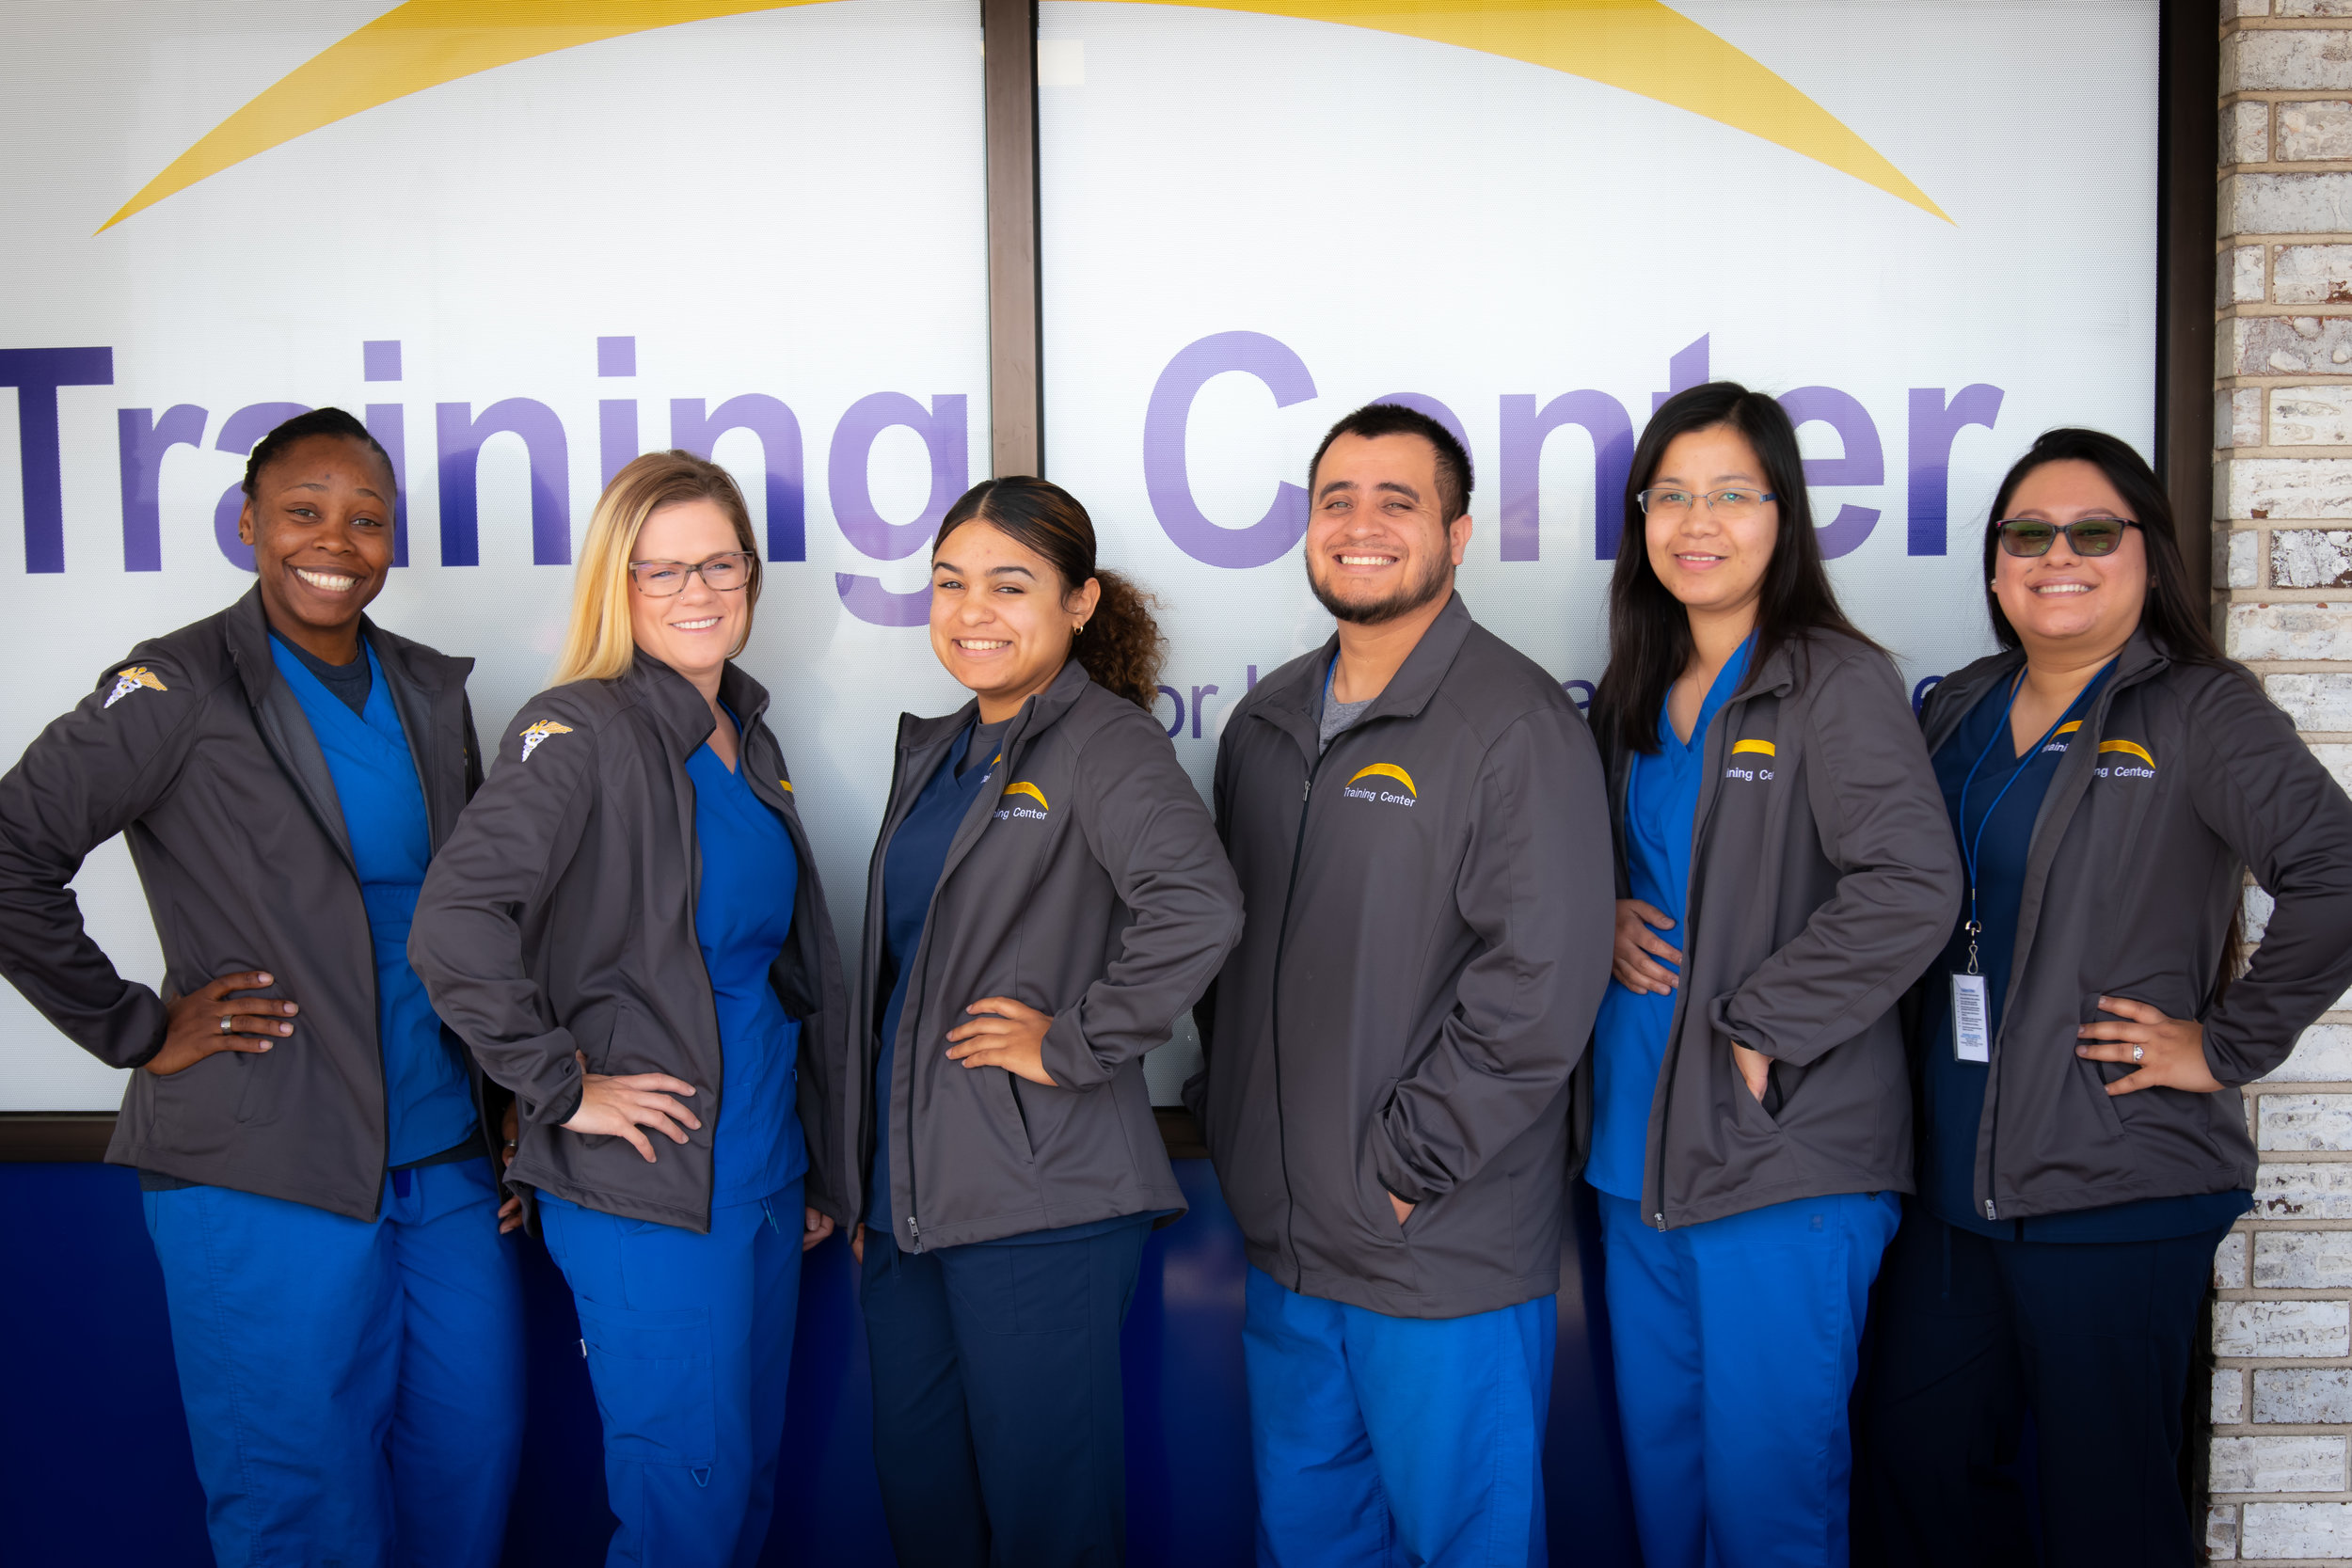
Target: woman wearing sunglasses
[[2109, 779], [626, 927], [1786, 876]]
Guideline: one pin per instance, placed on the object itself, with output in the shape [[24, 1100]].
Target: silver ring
[[224, 1024], [2139, 1052]]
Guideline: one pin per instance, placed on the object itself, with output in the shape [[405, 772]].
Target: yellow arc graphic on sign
[[1392, 770], [2129, 747], [1641, 46], [1025, 787], [1765, 747]]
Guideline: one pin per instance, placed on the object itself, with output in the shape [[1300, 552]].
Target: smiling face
[[320, 522], [1714, 565], [1377, 543], [2063, 603], [1001, 616], [695, 632]]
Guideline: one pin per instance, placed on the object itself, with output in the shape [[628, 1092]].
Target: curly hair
[[1122, 647]]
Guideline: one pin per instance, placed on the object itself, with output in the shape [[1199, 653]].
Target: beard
[[1435, 579]]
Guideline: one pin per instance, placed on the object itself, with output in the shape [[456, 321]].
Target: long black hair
[[1649, 631], [2169, 613]]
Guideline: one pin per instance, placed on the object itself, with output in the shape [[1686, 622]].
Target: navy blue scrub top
[[1662, 802], [428, 1102], [912, 867], [1954, 1088], [742, 914]]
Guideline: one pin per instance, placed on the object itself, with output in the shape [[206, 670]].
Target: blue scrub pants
[[1393, 1441], [999, 1415], [353, 1390], [688, 1341], [1737, 1342]]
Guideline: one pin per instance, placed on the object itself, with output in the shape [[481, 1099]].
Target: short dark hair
[[1649, 631], [318, 421], [1376, 420], [2170, 611]]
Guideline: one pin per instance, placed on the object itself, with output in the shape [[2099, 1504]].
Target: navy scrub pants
[[688, 1341], [1970, 1334], [999, 1415], [354, 1389]]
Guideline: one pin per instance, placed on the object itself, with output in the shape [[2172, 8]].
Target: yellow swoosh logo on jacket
[[2129, 747], [1389, 771], [1025, 787]]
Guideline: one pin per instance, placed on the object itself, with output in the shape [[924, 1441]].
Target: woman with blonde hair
[[627, 929]]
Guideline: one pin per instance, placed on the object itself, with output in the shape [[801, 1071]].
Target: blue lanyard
[[1970, 845]]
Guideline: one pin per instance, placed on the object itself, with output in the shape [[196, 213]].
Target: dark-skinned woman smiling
[[1046, 898], [2081, 1042], [345, 1317]]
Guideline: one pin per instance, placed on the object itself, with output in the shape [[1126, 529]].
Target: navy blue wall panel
[[95, 1469]]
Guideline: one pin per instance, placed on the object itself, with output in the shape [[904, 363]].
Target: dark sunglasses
[[2084, 536]]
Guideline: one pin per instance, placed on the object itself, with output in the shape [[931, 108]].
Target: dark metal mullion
[[1016, 383], [2188, 129]]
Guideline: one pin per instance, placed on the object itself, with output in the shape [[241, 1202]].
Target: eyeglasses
[[2084, 536], [1731, 506], [664, 579]]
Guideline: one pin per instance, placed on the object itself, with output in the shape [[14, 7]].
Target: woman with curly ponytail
[[1046, 899]]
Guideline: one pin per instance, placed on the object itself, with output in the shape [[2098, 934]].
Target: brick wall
[[2282, 572]]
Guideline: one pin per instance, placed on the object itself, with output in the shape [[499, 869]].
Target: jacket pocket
[[654, 1381], [1004, 1104]]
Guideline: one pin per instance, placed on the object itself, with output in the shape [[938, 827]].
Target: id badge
[[1972, 1032]]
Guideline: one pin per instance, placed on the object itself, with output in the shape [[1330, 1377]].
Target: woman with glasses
[[2109, 778], [1786, 875], [626, 927], [1047, 896]]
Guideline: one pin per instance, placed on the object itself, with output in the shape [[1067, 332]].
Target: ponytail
[[1122, 647]]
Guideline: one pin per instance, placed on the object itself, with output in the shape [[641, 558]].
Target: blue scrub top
[[742, 914], [428, 1104], [1662, 802], [912, 867], [1954, 1088]]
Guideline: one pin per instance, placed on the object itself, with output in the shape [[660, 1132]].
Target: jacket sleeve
[[498, 868], [1535, 887], [2257, 785], [1899, 886], [86, 777], [1195, 1092], [1146, 825]]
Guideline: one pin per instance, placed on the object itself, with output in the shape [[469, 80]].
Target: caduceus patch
[[534, 733], [129, 680]]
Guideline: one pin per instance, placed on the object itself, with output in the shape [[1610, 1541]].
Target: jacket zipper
[[1282, 944], [1714, 786], [882, 1108]]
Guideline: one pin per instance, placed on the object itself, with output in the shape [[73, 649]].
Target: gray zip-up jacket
[[2181, 777], [198, 754], [560, 918], [1823, 882], [1087, 884], [1430, 911]]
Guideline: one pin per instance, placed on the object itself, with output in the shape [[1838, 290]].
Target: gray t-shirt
[[1338, 716]]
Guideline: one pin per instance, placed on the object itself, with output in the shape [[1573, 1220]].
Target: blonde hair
[[599, 644]]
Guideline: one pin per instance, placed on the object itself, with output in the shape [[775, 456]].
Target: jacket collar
[[678, 711], [1952, 701], [1036, 716], [244, 627], [1295, 704]]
